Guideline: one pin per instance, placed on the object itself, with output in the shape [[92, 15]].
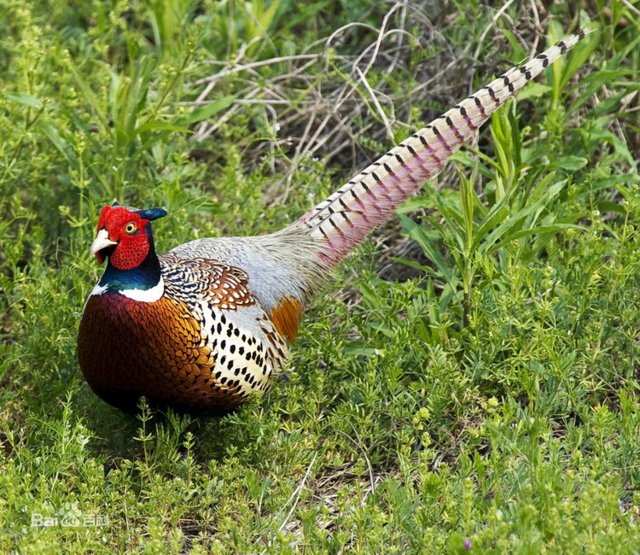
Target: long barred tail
[[345, 218]]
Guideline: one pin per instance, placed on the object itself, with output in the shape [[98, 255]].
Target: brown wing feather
[[222, 285]]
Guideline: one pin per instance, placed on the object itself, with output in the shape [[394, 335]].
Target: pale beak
[[101, 241]]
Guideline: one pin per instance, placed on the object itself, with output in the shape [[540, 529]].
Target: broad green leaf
[[609, 105], [418, 235], [463, 157], [497, 214], [541, 187], [415, 265], [26, 99], [518, 53], [159, 126], [534, 208], [609, 206], [534, 90], [569, 163], [415, 203], [207, 111]]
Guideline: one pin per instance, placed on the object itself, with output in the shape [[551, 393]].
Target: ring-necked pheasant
[[207, 324]]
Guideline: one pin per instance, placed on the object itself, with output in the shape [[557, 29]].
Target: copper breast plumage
[[203, 347]]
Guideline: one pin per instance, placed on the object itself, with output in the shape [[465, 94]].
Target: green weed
[[489, 403]]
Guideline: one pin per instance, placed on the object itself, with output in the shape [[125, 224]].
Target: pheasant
[[204, 326]]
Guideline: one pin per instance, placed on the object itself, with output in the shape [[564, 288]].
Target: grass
[[482, 398]]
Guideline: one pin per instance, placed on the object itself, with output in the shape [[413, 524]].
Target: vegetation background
[[469, 384]]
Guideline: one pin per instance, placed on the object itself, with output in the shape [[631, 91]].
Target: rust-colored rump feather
[[286, 317]]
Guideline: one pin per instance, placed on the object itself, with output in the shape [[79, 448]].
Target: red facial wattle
[[131, 251], [131, 247]]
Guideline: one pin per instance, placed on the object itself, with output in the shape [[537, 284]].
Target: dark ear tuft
[[152, 214], [115, 204]]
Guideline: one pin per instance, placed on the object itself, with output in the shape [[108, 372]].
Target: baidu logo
[[69, 516]]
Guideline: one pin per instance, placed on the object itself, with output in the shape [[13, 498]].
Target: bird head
[[124, 235]]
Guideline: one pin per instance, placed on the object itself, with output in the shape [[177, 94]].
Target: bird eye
[[131, 228]]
